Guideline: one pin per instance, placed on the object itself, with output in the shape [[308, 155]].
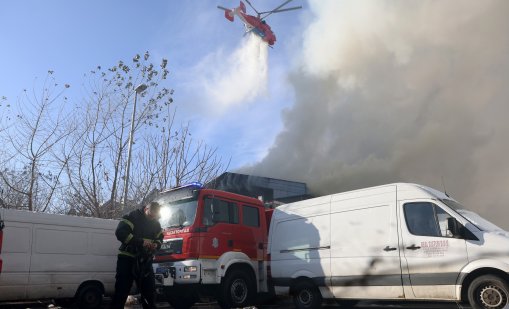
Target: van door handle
[[413, 247], [387, 248]]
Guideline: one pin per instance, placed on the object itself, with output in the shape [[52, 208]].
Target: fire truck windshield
[[177, 214]]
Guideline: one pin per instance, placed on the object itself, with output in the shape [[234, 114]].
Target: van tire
[[237, 289], [89, 296], [306, 296], [488, 292]]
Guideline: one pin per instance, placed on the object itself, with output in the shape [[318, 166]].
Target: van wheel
[[306, 296], [237, 290], [488, 292], [89, 297]]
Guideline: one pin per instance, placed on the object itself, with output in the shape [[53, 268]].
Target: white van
[[48, 256], [393, 242]]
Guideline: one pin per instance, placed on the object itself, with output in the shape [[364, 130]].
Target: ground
[[281, 303]]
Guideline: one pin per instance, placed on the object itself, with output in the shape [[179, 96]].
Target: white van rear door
[[16, 253], [300, 244], [434, 258]]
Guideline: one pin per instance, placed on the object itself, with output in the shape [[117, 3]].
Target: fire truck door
[[250, 234], [220, 217]]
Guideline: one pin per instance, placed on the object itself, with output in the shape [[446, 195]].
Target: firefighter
[[141, 235]]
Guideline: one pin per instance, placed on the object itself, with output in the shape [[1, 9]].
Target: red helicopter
[[256, 24]]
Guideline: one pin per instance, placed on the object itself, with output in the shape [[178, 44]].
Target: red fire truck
[[215, 246]]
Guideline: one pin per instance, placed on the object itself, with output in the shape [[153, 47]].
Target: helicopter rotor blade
[[282, 10], [276, 10], [284, 3], [252, 7], [223, 8]]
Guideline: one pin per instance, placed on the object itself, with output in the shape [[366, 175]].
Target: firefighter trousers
[[127, 272]]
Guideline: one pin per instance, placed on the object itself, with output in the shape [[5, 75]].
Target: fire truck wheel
[[306, 296], [237, 290], [89, 296], [489, 292]]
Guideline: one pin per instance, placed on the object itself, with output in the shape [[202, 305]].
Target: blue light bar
[[192, 185], [195, 184], [179, 193]]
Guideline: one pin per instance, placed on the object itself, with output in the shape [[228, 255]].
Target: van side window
[[216, 211], [426, 219], [250, 216]]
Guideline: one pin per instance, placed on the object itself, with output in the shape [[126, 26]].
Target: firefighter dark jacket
[[135, 227]]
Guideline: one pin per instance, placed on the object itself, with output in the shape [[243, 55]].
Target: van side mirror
[[2, 225], [455, 228]]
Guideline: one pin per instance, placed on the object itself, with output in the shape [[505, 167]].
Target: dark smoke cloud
[[413, 91]]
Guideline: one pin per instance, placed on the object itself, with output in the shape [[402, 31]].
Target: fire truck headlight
[[189, 277], [190, 269]]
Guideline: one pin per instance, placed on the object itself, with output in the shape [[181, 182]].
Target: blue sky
[[73, 37]]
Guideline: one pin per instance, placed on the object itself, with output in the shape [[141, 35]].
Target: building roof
[[268, 189]]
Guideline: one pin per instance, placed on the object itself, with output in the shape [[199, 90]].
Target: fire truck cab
[[215, 246]]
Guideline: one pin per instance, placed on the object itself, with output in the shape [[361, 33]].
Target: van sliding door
[[365, 255]]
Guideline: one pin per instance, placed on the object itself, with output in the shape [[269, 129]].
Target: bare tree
[[173, 158], [90, 150], [31, 171], [193, 160], [98, 166], [176, 158]]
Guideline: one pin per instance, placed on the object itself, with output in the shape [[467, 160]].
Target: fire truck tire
[[89, 296], [488, 291], [237, 289], [306, 295]]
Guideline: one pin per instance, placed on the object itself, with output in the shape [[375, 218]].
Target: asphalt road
[[287, 304], [281, 303]]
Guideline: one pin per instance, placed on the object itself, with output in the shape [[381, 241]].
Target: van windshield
[[177, 214], [472, 217]]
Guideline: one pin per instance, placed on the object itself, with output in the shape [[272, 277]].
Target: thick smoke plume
[[413, 91]]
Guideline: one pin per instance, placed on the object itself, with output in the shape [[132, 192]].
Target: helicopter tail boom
[[242, 7]]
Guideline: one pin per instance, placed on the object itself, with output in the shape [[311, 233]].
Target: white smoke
[[235, 77], [412, 91]]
